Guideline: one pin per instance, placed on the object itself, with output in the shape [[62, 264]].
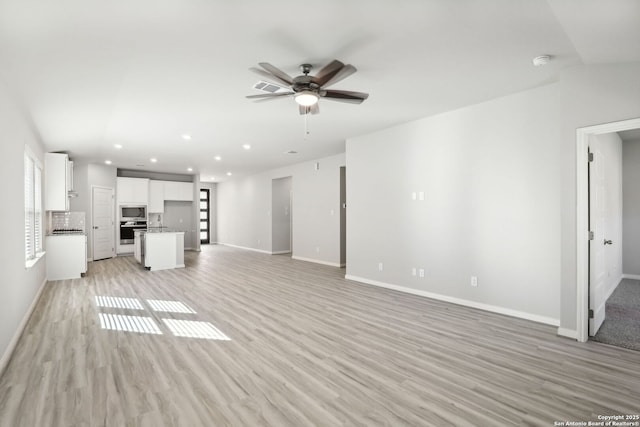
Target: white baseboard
[[316, 261], [631, 276], [245, 248], [460, 301], [23, 323], [280, 252], [568, 333]]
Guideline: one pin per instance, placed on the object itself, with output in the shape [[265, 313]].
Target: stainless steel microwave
[[133, 213]]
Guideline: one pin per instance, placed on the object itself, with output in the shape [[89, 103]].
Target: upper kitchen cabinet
[[58, 183], [132, 191], [178, 191], [156, 196]]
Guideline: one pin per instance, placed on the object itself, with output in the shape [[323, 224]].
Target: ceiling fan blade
[[327, 72], [277, 73], [270, 95], [344, 96], [342, 73], [312, 109], [269, 76]]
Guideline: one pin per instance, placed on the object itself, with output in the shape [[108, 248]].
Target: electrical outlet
[[474, 281], [421, 272], [317, 249], [380, 266]]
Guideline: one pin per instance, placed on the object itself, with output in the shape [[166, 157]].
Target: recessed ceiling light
[[107, 162], [213, 178], [246, 146], [186, 137], [228, 173], [153, 160], [218, 158], [190, 169], [117, 146]]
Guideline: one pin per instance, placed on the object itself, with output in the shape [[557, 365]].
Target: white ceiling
[[142, 73]]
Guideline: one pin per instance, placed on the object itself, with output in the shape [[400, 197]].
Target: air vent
[[270, 87], [291, 152]]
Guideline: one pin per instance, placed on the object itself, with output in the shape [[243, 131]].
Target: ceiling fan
[[306, 89]]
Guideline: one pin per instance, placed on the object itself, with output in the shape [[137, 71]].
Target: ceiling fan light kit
[[306, 98], [307, 90]]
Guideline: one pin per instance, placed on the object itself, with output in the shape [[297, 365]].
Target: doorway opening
[[281, 216], [205, 216], [590, 256], [343, 216]]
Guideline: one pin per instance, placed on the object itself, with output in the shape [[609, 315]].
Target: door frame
[[582, 217]]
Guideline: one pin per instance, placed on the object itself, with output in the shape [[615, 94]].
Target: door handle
[[608, 242]]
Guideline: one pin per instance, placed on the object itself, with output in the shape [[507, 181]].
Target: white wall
[[18, 286], [610, 147], [244, 210], [490, 175], [500, 186], [631, 207]]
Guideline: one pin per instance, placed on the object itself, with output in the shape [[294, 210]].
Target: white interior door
[[103, 231], [597, 246]]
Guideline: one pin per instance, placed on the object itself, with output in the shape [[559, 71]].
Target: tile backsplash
[[67, 221]]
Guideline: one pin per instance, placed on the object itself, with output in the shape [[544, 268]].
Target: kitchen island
[[159, 248]]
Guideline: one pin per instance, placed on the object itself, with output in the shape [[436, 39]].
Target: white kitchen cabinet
[[156, 196], [132, 191], [66, 256], [178, 191], [57, 181], [163, 250]]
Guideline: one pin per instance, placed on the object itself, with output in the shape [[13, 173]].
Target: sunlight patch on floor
[[169, 306], [118, 302], [119, 322], [195, 329]]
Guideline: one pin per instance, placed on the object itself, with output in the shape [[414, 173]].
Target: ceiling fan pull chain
[[306, 125]]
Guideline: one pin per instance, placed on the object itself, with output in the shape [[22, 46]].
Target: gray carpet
[[622, 317]]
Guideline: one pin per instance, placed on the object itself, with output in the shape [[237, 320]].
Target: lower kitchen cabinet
[[66, 256]]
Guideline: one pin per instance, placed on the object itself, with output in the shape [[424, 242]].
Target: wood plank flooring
[[306, 348]]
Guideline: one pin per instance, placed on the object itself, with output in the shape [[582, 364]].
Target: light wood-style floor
[[307, 348]]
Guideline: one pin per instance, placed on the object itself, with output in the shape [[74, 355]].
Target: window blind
[[33, 242], [29, 198]]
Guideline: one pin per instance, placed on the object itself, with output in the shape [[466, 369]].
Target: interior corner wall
[[499, 180], [244, 210], [85, 177], [631, 207], [18, 286]]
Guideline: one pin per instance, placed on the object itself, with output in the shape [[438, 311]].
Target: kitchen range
[[66, 245]]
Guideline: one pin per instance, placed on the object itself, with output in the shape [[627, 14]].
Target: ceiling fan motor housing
[[305, 82]]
